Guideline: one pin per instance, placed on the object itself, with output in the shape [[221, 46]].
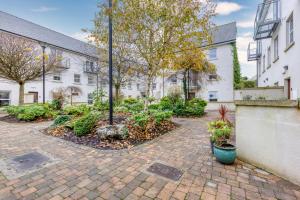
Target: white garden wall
[[268, 136], [270, 93]]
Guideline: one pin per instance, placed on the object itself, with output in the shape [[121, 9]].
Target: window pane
[[4, 95]]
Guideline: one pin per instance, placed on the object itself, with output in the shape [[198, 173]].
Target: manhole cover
[[165, 171], [24, 164], [29, 161]]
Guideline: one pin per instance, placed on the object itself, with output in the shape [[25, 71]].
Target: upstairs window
[[212, 54], [91, 79], [276, 48], [153, 86], [89, 66], [138, 86], [290, 30], [76, 78], [212, 77], [57, 77], [129, 86]]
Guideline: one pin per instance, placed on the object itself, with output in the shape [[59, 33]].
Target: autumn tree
[[21, 61], [123, 62], [158, 30], [190, 60]]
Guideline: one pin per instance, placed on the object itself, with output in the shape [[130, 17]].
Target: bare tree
[[21, 61]]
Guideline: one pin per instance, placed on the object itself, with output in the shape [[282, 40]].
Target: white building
[[276, 51], [214, 88], [79, 65], [77, 70]]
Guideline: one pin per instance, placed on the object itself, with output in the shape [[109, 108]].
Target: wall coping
[[269, 103], [262, 88]]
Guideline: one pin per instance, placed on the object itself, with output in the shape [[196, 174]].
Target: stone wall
[[268, 136]]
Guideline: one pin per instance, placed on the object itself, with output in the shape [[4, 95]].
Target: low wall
[[269, 93], [268, 136], [212, 106]]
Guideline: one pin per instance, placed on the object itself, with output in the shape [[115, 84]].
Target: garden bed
[[110, 143]]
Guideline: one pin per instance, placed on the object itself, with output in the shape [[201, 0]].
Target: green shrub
[[31, 112], [220, 131], [197, 102], [193, 108], [121, 109], [133, 105], [154, 107], [56, 104], [166, 103], [85, 124], [160, 116], [130, 101], [76, 110], [141, 119], [61, 119]]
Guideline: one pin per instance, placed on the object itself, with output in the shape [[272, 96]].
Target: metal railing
[[267, 19], [91, 69], [254, 51]]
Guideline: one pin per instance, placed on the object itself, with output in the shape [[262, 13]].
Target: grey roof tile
[[33, 31]]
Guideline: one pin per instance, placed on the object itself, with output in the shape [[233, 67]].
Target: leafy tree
[[156, 31], [21, 61], [123, 64], [236, 67]]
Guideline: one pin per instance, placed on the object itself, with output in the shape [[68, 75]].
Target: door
[[289, 88], [35, 96]]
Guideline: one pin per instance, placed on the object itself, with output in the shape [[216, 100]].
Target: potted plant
[[220, 133]]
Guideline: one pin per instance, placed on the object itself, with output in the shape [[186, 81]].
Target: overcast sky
[[70, 16]]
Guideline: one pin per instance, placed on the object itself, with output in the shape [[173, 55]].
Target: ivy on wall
[[236, 67]]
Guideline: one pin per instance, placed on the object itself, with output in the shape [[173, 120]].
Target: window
[[138, 86], [67, 62], [269, 57], [276, 84], [212, 77], [57, 77], [153, 86], [290, 30], [90, 98], [129, 86], [264, 63], [213, 96], [174, 80], [91, 79], [259, 67], [77, 78], [276, 47], [89, 66], [4, 98], [212, 53]]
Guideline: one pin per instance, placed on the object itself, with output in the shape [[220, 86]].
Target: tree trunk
[[21, 93], [148, 89], [184, 80], [117, 88]]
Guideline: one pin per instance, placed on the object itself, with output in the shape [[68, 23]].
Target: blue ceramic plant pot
[[225, 154]]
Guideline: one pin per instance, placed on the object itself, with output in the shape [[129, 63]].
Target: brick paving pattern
[[87, 173]]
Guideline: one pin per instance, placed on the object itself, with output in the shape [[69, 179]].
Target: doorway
[[35, 96], [287, 87]]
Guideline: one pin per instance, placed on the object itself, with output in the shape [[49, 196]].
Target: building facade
[[75, 75], [276, 49]]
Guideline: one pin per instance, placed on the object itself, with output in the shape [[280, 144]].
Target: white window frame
[[90, 98], [5, 99], [57, 76], [212, 54], [276, 48], [215, 94], [290, 36], [77, 79], [91, 79]]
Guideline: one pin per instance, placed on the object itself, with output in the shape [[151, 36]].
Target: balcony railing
[[92, 69], [254, 51], [267, 19]]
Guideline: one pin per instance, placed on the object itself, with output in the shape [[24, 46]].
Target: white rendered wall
[[269, 137], [288, 57]]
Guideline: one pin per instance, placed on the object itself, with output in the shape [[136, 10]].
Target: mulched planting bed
[[92, 139]]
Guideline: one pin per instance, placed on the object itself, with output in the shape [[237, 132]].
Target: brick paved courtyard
[[87, 173]]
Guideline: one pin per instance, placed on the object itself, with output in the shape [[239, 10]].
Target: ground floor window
[[90, 98], [4, 98], [213, 96]]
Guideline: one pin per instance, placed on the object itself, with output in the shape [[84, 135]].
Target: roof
[[21, 27], [224, 34]]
